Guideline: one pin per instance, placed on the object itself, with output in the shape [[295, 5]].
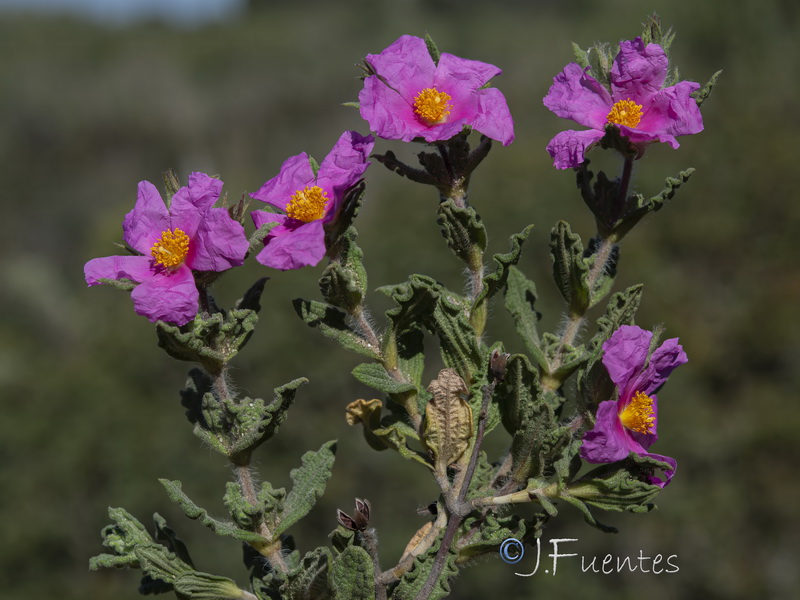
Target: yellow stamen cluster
[[308, 204], [432, 106], [625, 112], [639, 415], [171, 248]]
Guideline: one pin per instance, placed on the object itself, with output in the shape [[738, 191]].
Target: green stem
[[245, 479]]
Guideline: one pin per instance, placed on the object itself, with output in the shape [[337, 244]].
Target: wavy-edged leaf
[[309, 480]]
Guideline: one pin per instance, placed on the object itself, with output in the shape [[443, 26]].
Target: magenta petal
[[135, 268], [568, 148], [346, 162], [608, 440], [170, 297], [219, 244], [293, 248], [666, 358], [388, 113], [405, 65], [295, 174], [638, 71], [673, 111], [201, 193], [493, 118], [578, 96], [149, 217], [624, 356], [460, 76]]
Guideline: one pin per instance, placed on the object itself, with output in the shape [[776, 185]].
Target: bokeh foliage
[[91, 410]]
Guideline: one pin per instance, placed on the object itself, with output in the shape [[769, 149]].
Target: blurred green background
[[90, 407]]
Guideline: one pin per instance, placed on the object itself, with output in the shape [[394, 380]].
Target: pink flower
[[410, 96], [310, 202], [637, 105], [628, 424], [173, 242]]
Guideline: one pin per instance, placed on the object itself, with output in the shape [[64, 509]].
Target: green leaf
[[463, 230], [517, 392], [433, 50], [496, 280], [638, 206], [203, 586], [702, 94], [310, 582], [211, 341], [193, 511], [375, 376], [414, 580], [352, 575], [344, 280], [234, 427], [520, 302], [581, 56], [309, 480], [332, 322], [260, 234], [484, 535], [126, 285], [570, 269]]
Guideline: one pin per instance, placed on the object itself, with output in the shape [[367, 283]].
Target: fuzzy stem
[[371, 544], [576, 319], [244, 477]]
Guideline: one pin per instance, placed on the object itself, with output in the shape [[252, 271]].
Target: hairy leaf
[[309, 480], [352, 575]]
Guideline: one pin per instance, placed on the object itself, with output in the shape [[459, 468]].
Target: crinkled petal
[[405, 65], [135, 268], [344, 165], [390, 115], [170, 297], [640, 137], [493, 118], [190, 202], [638, 71], [443, 131], [294, 247], [668, 473], [624, 357], [663, 361], [149, 217], [201, 193], [568, 148], [673, 111], [295, 174], [578, 96], [219, 244], [608, 441], [461, 77]]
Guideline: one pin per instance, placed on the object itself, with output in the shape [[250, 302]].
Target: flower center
[[432, 106], [639, 415], [308, 204], [625, 112], [171, 248]]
